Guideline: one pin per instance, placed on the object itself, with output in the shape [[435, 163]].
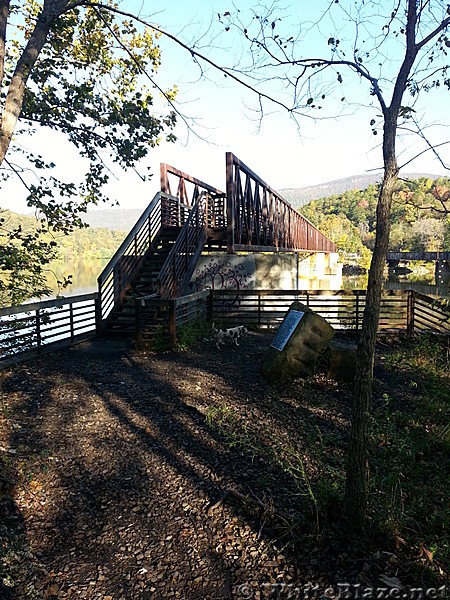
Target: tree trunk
[[356, 492], [14, 98], [4, 14]]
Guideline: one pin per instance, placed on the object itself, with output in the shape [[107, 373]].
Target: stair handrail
[[174, 273], [126, 242], [118, 274]]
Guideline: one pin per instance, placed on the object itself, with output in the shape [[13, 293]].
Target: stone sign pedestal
[[300, 340], [342, 361]]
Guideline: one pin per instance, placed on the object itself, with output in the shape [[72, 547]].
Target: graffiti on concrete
[[232, 273]]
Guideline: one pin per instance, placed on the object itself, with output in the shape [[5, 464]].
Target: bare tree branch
[[191, 50], [445, 23]]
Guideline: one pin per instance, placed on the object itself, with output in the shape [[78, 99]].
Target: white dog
[[233, 333]]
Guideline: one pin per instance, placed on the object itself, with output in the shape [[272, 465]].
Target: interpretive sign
[[286, 329], [301, 338]]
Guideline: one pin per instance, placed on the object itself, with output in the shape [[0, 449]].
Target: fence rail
[[30, 329], [429, 315], [400, 311], [342, 309]]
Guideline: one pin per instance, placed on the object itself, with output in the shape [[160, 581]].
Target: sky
[[225, 117]]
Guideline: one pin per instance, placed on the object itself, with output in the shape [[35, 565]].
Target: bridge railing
[[182, 258], [31, 329], [188, 188], [260, 219], [407, 256]]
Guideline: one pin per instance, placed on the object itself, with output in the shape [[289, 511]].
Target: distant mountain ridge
[[300, 196], [123, 219], [115, 219]]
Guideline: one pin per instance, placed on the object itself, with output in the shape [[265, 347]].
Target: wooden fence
[[400, 311], [30, 329]]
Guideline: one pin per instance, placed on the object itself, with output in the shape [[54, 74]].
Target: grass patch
[[410, 448], [409, 511], [191, 334]]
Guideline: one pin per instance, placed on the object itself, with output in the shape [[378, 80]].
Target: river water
[[85, 272]]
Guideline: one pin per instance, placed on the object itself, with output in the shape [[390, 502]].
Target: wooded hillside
[[88, 243], [420, 219]]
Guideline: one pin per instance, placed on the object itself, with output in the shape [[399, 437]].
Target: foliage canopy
[[87, 74]]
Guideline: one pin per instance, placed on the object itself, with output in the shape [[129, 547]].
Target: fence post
[[410, 314], [165, 187], [71, 322], [98, 315], [210, 306], [38, 330], [172, 324], [357, 312]]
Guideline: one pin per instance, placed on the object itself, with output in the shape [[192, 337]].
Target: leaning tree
[[87, 74]]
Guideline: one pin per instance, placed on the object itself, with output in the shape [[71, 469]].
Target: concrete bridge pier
[[319, 264], [265, 271]]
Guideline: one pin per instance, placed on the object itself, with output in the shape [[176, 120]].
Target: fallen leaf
[[392, 582]]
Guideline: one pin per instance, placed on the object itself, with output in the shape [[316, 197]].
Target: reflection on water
[[84, 275], [423, 285]]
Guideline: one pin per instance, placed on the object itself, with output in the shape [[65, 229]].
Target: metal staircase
[[159, 255], [145, 284]]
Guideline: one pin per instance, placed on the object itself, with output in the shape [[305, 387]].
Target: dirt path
[[118, 470]]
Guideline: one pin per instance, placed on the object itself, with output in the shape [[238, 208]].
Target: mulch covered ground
[[133, 475]]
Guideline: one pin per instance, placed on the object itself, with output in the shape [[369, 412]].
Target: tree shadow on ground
[[131, 470]]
